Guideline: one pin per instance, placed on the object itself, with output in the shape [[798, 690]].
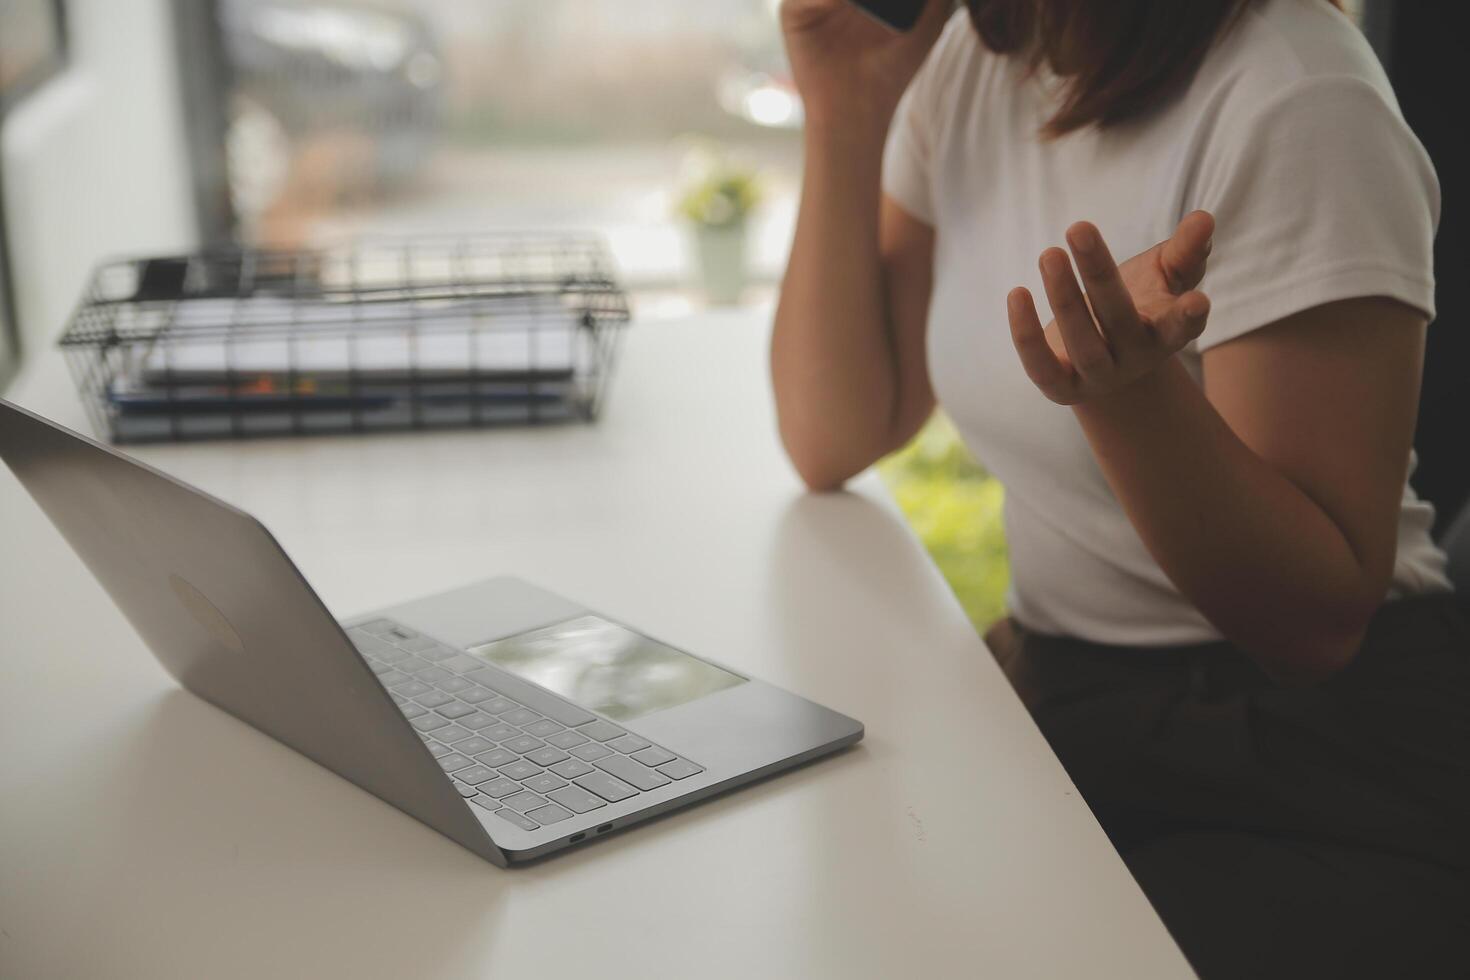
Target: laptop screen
[[606, 668]]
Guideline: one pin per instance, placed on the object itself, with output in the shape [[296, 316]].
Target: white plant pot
[[721, 253]]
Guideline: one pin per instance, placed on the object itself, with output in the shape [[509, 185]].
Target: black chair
[[1456, 543], [1443, 441], [1425, 61]]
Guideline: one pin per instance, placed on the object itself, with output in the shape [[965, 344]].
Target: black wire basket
[[377, 334]]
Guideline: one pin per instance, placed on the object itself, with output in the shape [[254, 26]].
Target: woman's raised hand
[[1122, 322], [844, 61]]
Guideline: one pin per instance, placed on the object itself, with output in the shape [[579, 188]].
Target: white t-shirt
[[1289, 134]]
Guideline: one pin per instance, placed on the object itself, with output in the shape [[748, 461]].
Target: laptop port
[[575, 837], [604, 828]]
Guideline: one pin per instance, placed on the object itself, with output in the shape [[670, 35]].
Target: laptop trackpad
[[606, 667], [484, 611]]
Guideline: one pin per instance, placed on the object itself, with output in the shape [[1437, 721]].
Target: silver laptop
[[511, 720]]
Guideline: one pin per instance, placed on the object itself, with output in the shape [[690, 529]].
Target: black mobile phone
[[901, 15]]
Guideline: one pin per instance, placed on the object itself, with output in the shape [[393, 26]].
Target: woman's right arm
[[847, 352]]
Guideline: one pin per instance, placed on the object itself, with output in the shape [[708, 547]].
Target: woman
[[1228, 616]]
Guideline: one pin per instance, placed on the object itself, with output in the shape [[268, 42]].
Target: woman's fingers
[[1183, 321], [1039, 361], [1108, 342], [1183, 257], [1112, 304], [1086, 348]]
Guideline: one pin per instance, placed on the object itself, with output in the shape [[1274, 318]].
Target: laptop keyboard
[[532, 761]]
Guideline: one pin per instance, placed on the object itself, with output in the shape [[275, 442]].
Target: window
[[448, 115], [32, 48]]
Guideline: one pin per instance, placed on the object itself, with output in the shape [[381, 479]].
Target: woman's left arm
[[1269, 495]]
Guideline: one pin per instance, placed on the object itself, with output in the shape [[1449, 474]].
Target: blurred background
[[669, 127], [430, 115]]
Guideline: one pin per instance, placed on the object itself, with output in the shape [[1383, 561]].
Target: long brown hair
[[1118, 58]]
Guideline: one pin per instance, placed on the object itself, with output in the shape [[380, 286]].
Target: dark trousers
[[1279, 832]]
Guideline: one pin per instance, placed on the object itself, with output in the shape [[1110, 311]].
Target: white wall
[[95, 163]]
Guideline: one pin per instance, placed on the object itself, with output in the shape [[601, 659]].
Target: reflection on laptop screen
[[606, 668]]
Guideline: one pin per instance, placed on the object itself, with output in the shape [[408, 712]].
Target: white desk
[[146, 834]]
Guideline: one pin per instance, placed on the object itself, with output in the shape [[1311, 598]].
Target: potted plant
[[718, 202]]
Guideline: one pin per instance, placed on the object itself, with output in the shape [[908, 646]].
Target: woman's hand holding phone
[[846, 65], [844, 393]]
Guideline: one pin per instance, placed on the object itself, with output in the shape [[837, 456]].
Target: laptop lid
[[229, 615]]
